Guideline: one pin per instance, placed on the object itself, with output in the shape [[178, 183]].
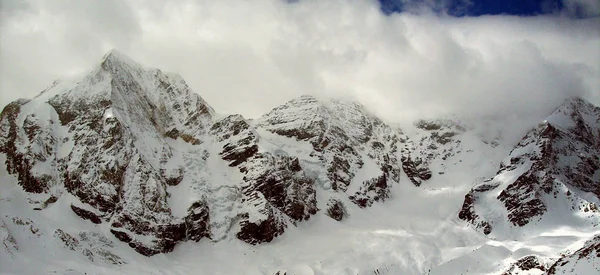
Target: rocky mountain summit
[[103, 140], [136, 155], [554, 170], [123, 142]]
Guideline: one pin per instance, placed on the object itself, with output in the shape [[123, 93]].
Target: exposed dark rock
[[416, 170], [467, 213], [68, 240], [530, 262], [102, 202], [116, 163], [519, 203], [338, 132], [443, 138], [161, 246], [339, 173], [174, 134], [17, 162], [428, 125], [277, 186], [438, 141], [286, 187], [173, 180], [238, 157], [197, 222], [86, 215], [527, 264], [264, 231], [122, 236], [336, 210], [242, 139], [52, 199], [372, 190]]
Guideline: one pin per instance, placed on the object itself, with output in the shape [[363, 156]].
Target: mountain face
[[103, 140], [139, 159], [436, 141], [140, 152], [553, 171]]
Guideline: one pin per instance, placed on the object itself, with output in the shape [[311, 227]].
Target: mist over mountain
[[512, 69]]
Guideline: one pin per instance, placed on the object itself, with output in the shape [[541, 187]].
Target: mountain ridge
[[118, 127], [135, 152]]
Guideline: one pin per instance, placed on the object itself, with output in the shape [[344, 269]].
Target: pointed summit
[[115, 54], [114, 58], [575, 103], [547, 172], [576, 115]]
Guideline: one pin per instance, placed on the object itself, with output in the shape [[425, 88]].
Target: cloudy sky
[[403, 60]]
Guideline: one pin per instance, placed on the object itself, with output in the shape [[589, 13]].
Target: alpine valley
[[128, 171]]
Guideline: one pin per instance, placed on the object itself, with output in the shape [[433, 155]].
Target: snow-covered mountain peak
[[115, 58], [346, 138], [321, 107], [137, 150], [307, 117], [578, 117], [554, 169], [103, 142]]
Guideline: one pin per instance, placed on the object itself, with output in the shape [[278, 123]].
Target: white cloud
[[249, 56]]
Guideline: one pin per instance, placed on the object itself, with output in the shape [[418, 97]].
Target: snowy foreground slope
[[128, 171]]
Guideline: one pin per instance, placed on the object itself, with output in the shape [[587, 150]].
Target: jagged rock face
[[344, 137], [19, 163], [586, 259], [279, 185], [527, 264], [274, 186], [437, 140], [90, 244], [240, 140], [123, 138], [102, 140], [197, 222], [336, 209], [557, 160]]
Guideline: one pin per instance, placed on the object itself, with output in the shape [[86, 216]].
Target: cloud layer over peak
[[247, 57]]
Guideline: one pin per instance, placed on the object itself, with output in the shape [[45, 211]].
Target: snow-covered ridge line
[[111, 140], [129, 156]]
